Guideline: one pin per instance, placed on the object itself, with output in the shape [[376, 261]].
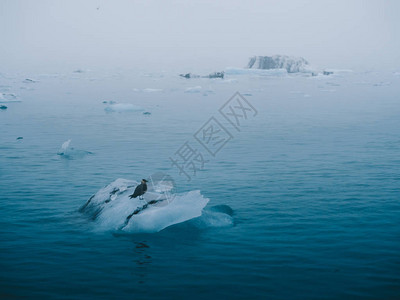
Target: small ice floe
[[79, 71], [123, 107], [20, 138], [147, 113], [8, 97], [29, 80], [193, 90], [147, 90], [3, 107], [332, 83], [382, 83], [69, 152]]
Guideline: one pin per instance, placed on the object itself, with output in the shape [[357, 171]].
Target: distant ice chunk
[[3, 107], [8, 97], [150, 90], [194, 89], [338, 71], [69, 152], [123, 107], [290, 64], [382, 83], [29, 80]]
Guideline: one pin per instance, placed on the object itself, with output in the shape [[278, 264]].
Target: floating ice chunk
[[123, 107], [8, 97], [382, 83], [194, 89], [29, 80], [149, 90], [3, 107], [70, 153], [64, 147], [339, 71], [112, 209]]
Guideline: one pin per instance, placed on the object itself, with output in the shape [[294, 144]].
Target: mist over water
[[300, 201], [186, 35]]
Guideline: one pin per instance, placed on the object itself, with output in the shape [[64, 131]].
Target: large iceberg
[[290, 64], [111, 208]]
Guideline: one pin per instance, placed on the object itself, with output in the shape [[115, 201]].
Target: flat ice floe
[[193, 89], [256, 72], [8, 97], [123, 107]]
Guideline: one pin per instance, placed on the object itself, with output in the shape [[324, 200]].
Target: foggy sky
[[47, 34]]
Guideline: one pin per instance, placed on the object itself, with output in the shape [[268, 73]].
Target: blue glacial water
[[313, 181]]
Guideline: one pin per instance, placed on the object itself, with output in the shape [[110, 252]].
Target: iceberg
[[290, 64], [111, 208], [69, 152]]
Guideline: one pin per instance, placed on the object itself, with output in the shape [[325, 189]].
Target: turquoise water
[[313, 181]]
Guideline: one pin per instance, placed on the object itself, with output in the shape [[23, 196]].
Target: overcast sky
[[88, 34]]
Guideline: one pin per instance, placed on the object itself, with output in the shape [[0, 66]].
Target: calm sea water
[[313, 180]]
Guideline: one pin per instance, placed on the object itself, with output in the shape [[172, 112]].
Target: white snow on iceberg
[[112, 209], [69, 152], [290, 64]]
